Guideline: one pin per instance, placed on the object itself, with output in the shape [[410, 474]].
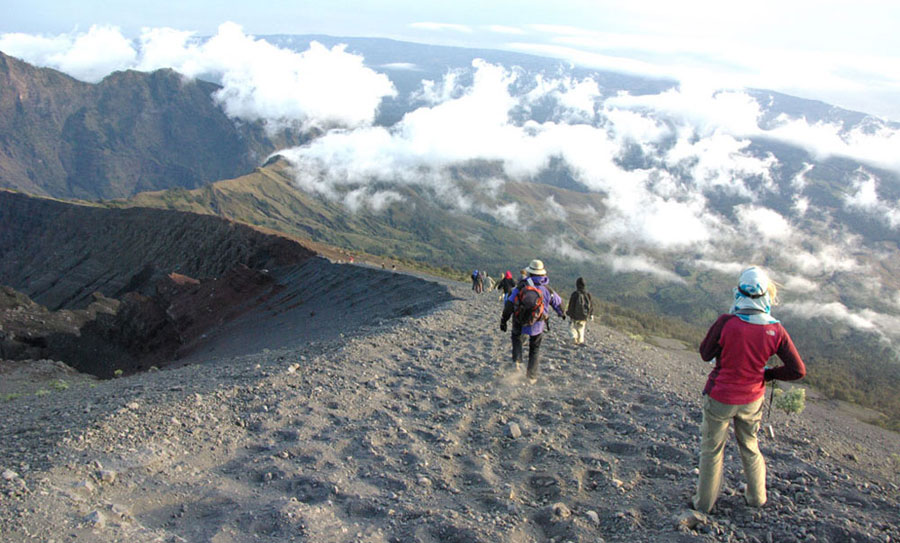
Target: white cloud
[[440, 27], [886, 326], [89, 56], [822, 260], [319, 88], [377, 201], [763, 224], [641, 218], [633, 126], [728, 268], [875, 145], [35, 49], [719, 161], [556, 211], [562, 247], [507, 214], [834, 311], [641, 264], [405, 66], [865, 198], [796, 283], [705, 109], [508, 30]]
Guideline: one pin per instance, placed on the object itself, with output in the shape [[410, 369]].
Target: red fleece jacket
[[741, 350]]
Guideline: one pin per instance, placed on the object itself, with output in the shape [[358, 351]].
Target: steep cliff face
[[129, 133]]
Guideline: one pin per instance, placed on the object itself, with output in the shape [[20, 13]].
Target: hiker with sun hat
[[528, 305]]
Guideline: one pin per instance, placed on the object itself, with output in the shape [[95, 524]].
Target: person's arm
[[556, 303], [793, 367], [571, 305], [710, 347]]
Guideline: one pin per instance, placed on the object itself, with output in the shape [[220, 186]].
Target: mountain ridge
[[131, 132]]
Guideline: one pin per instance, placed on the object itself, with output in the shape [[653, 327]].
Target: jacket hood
[[579, 283]]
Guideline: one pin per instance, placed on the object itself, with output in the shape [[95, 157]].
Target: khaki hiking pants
[[714, 431], [576, 328]]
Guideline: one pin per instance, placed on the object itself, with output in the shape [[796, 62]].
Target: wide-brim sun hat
[[536, 268]]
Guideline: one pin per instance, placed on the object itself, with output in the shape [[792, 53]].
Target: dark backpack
[[528, 307], [581, 309]]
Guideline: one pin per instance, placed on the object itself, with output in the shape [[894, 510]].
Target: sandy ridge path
[[419, 430]]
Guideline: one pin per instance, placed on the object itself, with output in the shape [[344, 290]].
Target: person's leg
[[534, 355], [579, 330], [746, 427], [516, 347], [573, 330], [713, 432]]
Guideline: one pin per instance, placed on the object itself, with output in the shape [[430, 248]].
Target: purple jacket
[[551, 299]]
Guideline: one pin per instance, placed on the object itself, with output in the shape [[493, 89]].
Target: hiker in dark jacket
[[579, 310], [506, 284], [741, 343], [537, 278], [475, 280]]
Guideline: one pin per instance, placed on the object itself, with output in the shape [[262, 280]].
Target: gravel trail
[[417, 428]]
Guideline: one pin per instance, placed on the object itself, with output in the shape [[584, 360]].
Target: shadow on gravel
[[320, 301]]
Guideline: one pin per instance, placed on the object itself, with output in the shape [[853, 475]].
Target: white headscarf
[[752, 302]]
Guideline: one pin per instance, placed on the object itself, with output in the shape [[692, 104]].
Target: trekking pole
[[769, 429]]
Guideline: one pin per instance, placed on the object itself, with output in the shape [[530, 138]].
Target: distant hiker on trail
[[489, 280], [475, 280], [740, 343], [479, 282], [579, 310], [506, 284], [528, 305]]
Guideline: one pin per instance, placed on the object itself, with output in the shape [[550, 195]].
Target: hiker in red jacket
[[506, 285], [740, 343]]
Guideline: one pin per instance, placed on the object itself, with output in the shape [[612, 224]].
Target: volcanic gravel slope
[[419, 429]]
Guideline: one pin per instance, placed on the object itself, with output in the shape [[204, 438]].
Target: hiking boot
[[518, 366], [532, 380]]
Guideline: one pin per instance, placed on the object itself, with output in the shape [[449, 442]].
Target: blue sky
[[844, 53]]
